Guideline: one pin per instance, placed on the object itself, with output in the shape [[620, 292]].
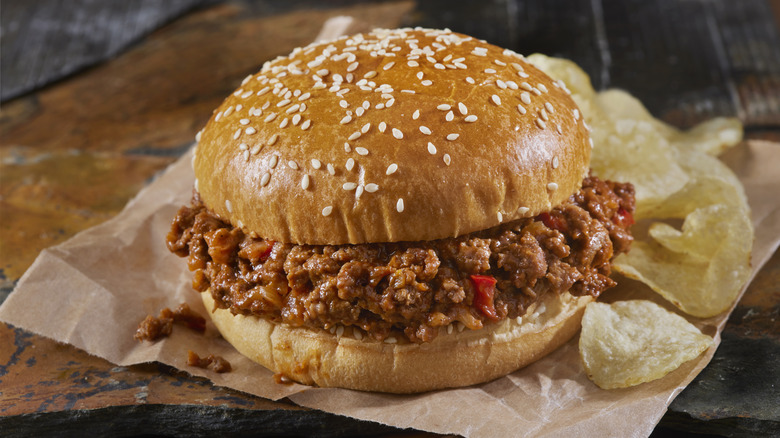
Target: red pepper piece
[[553, 222], [485, 288], [264, 255], [623, 218]]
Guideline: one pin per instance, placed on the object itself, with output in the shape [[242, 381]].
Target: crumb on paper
[[153, 328], [218, 364]]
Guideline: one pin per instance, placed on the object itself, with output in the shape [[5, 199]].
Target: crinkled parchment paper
[[93, 290]]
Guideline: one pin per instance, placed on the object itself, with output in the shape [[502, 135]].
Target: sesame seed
[[350, 164], [522, 74], [522, 210], [361, 150], [359, 111], [366, 104], [365, 128], [304, 96], [355, 135], [264, 179], [243, 146], [327, 210], [229, 206], [305, 182], [576, 114], [239, 107], [526, 98], [495, 99], [413, 64], [390, 340], [397, 133], [555, 162], [379, 106], [346, 119], [371, 187], [408, 91], [391, 169], [315, 163], [349, 186], [526, 86], [541, 87], [271, 141], [263, 91], [244, 121], [552, 186], [512, 85], [501, 84], [390, 103], [521, 109], [431, 148], [548, 106], [543, 115], [296, 119], [558, 128], [472, 118], [470, 80], [388, 66], [420, 75], [382, 126], [443, 107], [255, 149], [450, 116], [399, 206], [331, 169], [352, 67], [343, 104], [284, 123], [425, 130], [452, 136], [270, 117], [219, 116], [489, 70], [540, 123], [305, 125], [536, 91], [439, 66], [347, 147], [462, 108], [293, 108], [499, 216], [415, 114], [292, 165], [246, 94], [283, 102], [250, 130], [590, 141], [427, 82]]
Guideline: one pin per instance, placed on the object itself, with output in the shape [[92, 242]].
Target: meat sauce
[[411, 287]]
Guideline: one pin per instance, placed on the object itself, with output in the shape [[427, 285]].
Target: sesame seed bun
[[396, 135], [455, 358]]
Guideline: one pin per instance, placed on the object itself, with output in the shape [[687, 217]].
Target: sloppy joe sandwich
[[399, 211]]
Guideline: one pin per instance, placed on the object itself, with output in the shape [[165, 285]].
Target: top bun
[[394, 135]]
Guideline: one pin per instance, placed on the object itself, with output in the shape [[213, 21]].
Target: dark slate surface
[[686, 60], [46, 40]]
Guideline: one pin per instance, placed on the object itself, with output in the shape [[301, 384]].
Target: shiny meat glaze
[[411, 287]]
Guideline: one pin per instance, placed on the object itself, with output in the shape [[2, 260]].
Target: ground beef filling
[[414, 288]]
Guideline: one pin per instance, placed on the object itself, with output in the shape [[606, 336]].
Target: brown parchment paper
[[93, 290]]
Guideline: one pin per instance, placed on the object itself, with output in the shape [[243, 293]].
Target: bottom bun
[[348, 359]]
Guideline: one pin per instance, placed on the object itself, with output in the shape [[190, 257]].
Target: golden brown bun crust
[[275, 163], [451, 360]]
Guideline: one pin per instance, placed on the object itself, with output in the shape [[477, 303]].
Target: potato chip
[[701, 268], [631, 342]]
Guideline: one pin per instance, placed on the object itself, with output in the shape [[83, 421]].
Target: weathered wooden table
[[75, 151]]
